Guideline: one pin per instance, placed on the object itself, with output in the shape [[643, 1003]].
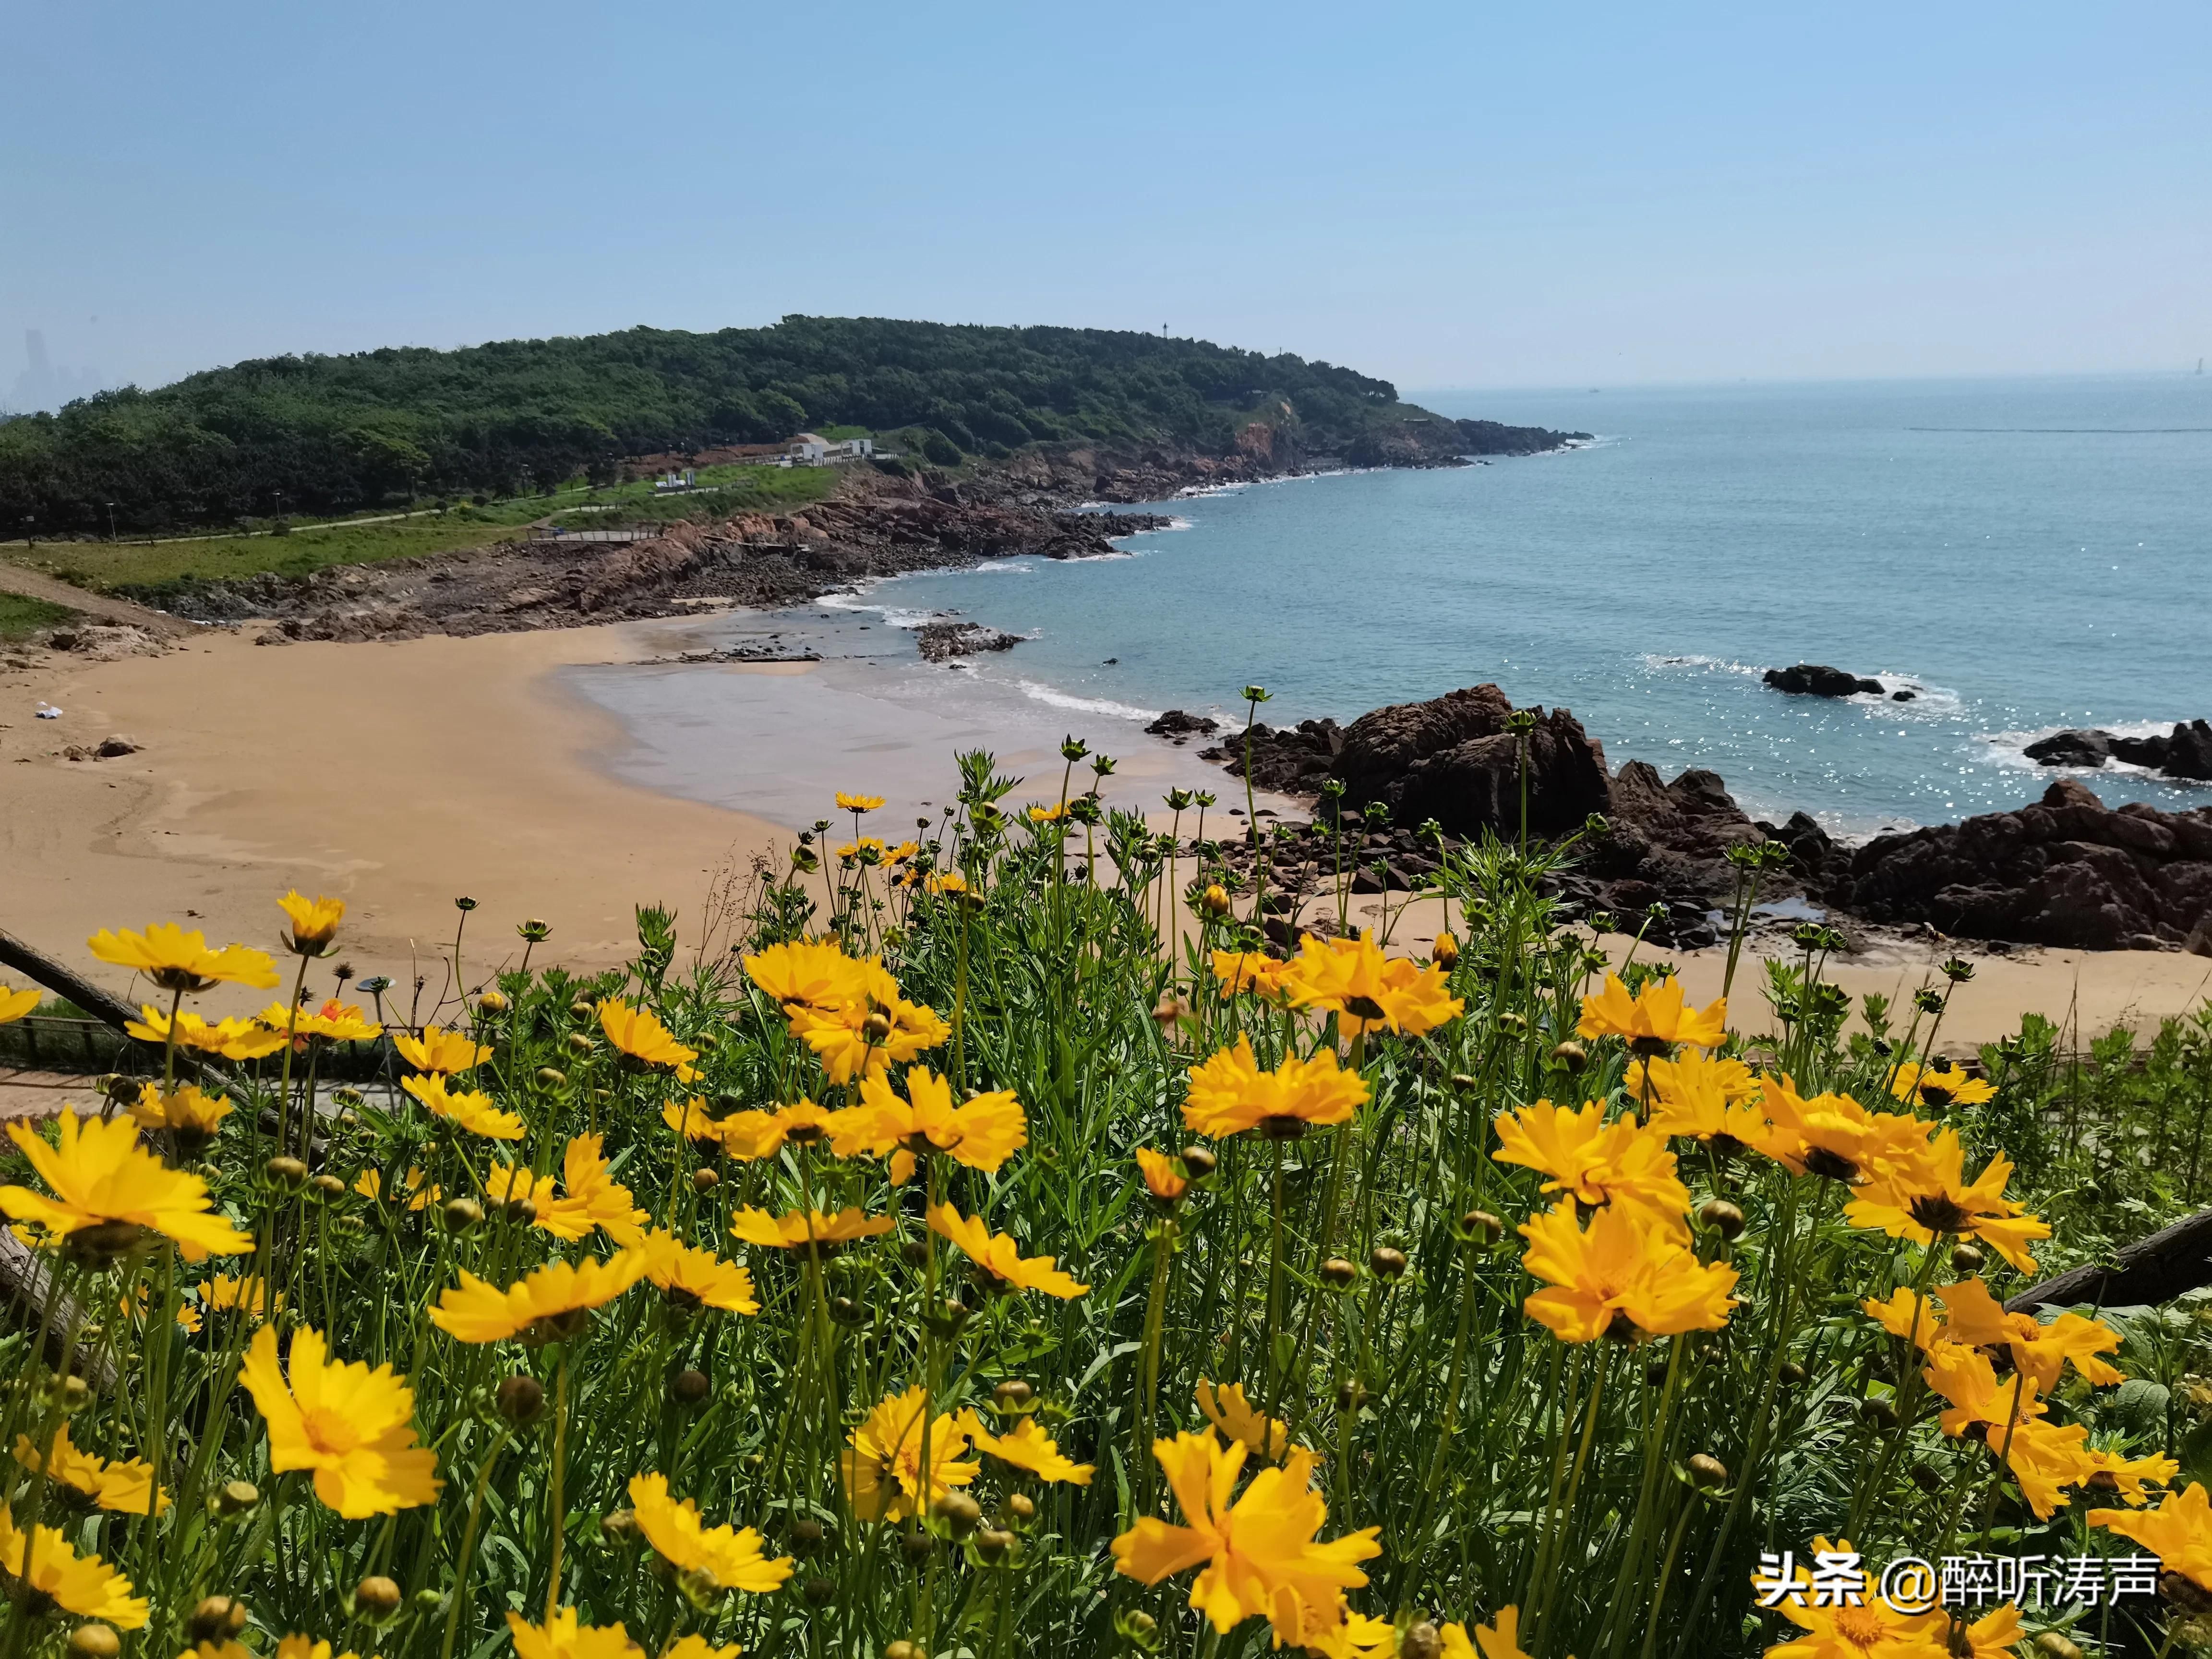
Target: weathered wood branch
[[2156, 1269], [37, 965]]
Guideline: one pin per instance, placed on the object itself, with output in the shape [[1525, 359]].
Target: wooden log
[[64, 982], [2151, 1270]]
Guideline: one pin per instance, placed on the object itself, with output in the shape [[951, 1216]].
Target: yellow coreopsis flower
[[858, 803], [1930, 1195], [871, 1029], [813, 974], [109, 1192], [696, 1278], [1964, 1375], [1598, 1163], [1261, 1553], [189, 1116], [2178, 1532], [125, 1486], [590, 1196], [314, 921], [224, 1294], [1655, 1020], [691, 1119], [370, 1184], [14, 1005], [1229, 1411], [881, 1464], [562, 1636], [1832, 1136], [470, 1109], [727, 1557], [638, 1033], [2109, 1471], [1697, 1096], [808, 1232], [696, 1646], [1240, 971], [753, 1135], [437, 1050], [293, 1646], [553, 1303], [44, 1562], [998, 1260], [1027, 1448], [353, 1426], [177, 960], [1230, 1094], [1047, 814], [1624, 1270], [1162, 1179], [233, 1039], [982, 1133], [947, 881], [1863, 1632], [1940, 1085], [337, 1022], [1499, 1639], [1368, 991]]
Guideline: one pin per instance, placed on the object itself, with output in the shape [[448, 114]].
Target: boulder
[[1175, 723], [2064, 871], [2071, 748], [2189, 751], [941, 641], [1454, 759], [1818, 680]]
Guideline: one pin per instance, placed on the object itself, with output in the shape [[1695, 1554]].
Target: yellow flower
[[179, 961], [315, 920], [858, 803], [1229, 1411], [697, 1278], [441, 1051], [371, 1185], [949, 881], [1366, 990], [125, 1486], [881, 1465], [809, 1232], [353, 1426], [805, 974], [1625, 1271], [1230, 1094], [83, 1585], [873, 1027], [1499, 1639], [2178, 1532], [1047, 814], [1869, 1631], [2044, 1459], [112, 1192], [639, 1034], [1251, 970], [14, 1005], [1655, 1020], [224, 1294], [590, 1196], [1833, 1136], [561, 1638], [998, 1260], [1939, 1086], [691, 1119], [1027, 1448], [753, 1135], [1928, 1196], [1261, 1553], [233, 1039], [293, 1646], [727, 1557], [339, 1022], [2108, 1471], [552, 1302], [2039, 1352], [1162, 1179], [1697, 1096], [189, 1117], [471, 1109], [1598, 1163], [1964, 1377], [696, 1646], [865, 845], [982, 1133]]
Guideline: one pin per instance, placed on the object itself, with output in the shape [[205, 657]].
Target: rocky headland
[[2062, 870]]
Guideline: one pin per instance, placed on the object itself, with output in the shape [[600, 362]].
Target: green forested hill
[[333, 435]]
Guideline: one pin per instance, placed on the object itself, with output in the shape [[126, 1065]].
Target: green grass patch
[[20, 618]]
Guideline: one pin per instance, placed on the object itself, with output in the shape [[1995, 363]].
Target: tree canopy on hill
[[331, 435]]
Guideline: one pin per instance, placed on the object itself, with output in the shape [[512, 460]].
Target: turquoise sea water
[[2027, 554]]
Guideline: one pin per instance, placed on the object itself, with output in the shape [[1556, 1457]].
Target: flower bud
[[1338, 1272], [492, 1002], [1879, 1412], [286, 1171], [690, 1388], [993, 1544], [1013, 1394], [1512, 1022], [1480, 1223], [552, 1077], [1386, 1263], [1789, 1373], [1199, 1162], [916, 1546], [902, 1650], [1444, 952], [535, 930], [618, 1526], [1350, 1394], [94, 1641], [704, 1181], [216, 1617], [877, 1028], [1720, 1216], [845, 1311], [463, 1214], [1020, 1506], [1966, 1258], [1570, 1057], [1422, 1640], [914, 1252], [237, 1496], [520, 1397], [1708, 1471], [1140, 1622], [520, 1211], [578, 1043], [376, 1598], [805, 1534], [959, 1513], [1215, 901], [581, 1010], [1929, 1479], [2054, 1644], [327, 1187]]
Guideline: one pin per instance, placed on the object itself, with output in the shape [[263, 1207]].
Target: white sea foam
[[2009, 749], [1718, 665], [1045, 694]]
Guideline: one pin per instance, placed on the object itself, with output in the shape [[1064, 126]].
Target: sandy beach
[[401, 775]]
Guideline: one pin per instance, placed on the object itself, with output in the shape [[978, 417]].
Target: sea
[[2020, 554]]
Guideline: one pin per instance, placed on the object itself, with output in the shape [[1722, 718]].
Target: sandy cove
[[400, 774]]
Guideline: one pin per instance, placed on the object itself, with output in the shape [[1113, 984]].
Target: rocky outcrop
[[941, 641], [2065, 872], [1492, 438], [1454, 759], [1179, 728], [2186, 752], [1812, 679]]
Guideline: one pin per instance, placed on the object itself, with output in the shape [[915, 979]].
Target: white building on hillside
[[809, 450]]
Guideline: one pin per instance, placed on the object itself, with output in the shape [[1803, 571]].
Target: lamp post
[[110, 520]]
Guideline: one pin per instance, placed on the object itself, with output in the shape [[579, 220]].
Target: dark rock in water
[[2071, 748], [1903, 696], [2063, 872], [1175, 724], [942, 641], [1818, 680], [2189, 751], [1293, 761], [1452, 759]]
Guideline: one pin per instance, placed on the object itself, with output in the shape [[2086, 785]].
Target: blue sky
[[1449, 194]]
